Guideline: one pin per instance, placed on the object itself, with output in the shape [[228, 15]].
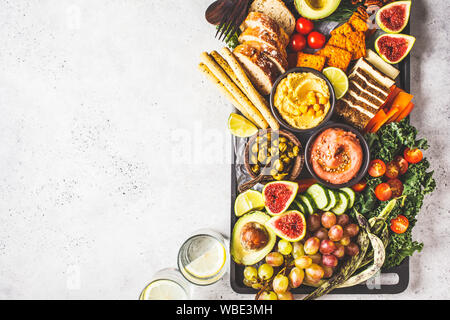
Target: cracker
[[344, 29], [336, 57]]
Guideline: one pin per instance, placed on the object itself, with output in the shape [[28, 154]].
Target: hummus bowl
[[302, 100], [337, 155]]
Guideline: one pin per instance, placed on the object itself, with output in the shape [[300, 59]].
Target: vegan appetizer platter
[[328, 175]]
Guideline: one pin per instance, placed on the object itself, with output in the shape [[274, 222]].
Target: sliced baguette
[[264, 37], [261, 71], [273, 55], [277, 10], [253, 94], [263, 21]]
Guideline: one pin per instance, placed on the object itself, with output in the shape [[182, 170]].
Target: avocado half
[[316, 9], [242, 255]]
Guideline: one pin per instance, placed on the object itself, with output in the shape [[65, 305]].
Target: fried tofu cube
[[310, 61]]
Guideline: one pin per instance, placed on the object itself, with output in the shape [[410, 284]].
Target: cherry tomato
[[392, 170], [359, 186], [396, 187], [383, 192], [399, 224], [316, 40], [377, 168], [298, 42], [304, 26], [402, 164], [413, 155]]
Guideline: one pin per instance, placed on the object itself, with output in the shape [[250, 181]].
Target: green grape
[[265, 271], [285, 296], [297, 250], [250, 273], [280, 283], [275, 259], [296, 277], [284, 247], [248, 283], [268, 296]]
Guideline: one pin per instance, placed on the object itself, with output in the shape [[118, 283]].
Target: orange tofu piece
[[310, 61]]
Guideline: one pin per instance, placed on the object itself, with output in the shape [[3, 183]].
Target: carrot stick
[[405, 112], [377, 118], [389, 115], [391, 97]]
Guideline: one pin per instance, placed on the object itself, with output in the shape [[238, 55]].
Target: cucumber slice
[[351, 195], [343, 205], [320, 195], [309, 203], [301, 207], [334, 199]]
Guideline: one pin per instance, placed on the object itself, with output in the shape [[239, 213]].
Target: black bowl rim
[[364, 145], [280, 118]]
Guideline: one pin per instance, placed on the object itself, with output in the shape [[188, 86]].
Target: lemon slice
[[209, 263], [338, 79], [248, 201], [240, 126], [163, 290]]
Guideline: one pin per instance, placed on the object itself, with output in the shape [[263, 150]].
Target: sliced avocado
[[251, 227], [316, 9]]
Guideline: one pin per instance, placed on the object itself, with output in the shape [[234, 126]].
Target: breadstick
[[203, 68], [217, 71], [252, 93], [226, 67]]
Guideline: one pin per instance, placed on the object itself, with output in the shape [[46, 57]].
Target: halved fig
[[393, 48], [394, 17], [290, 226], [278, 196]]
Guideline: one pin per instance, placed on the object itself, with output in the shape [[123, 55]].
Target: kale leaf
[[387, 143]]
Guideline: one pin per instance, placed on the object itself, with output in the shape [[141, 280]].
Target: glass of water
[[203, 257], [167, 284]]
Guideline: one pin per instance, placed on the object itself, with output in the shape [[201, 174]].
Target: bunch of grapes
[[315, 258]]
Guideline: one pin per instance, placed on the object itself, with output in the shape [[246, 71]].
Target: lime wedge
[[163, 290], [240, 126], [338, 79], [248, 201], [209, 263]]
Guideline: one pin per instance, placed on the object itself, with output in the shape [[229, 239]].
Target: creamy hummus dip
[[302, 99], [336, 156]]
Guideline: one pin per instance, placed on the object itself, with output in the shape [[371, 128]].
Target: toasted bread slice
[[263, 21], [261, 71], [277, 10], [273, 55], [310, 61], [264, 37]]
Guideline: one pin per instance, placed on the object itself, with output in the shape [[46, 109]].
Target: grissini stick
[[253, 94], [251, 110]]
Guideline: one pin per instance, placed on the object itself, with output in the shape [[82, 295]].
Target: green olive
[[291, 155], [255, 168], [282, 147], [255, 148], [261, 156], [273, 172], [295, 150], [283, 139]]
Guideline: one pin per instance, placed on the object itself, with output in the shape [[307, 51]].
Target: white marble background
[[113, 148]]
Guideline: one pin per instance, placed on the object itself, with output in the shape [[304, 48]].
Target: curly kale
[[387, 143]]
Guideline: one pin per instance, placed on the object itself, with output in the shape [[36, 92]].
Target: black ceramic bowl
[[278, 115], [365, 148]]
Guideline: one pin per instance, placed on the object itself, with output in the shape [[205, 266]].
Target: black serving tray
[[402, 271]]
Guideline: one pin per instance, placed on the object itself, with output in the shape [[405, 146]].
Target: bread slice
[[263, 21], [261, 71], [277, 10], [264, 37], [273, 55]]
